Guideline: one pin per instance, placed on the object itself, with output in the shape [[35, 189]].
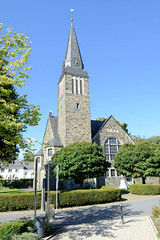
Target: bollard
[[47, 213], [121, 209], [40, 226], [52, 212]]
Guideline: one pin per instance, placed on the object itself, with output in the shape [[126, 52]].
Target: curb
[[154, 230]]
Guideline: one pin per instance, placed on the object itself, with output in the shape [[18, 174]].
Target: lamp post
[[47, 167]]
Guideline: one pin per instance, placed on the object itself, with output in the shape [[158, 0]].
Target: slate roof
[[17, 164], [40, 152], [73, 50], [95, 127], [56, 141], [28, 165]]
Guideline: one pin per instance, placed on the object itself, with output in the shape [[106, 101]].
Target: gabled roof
[[18, 164], [99, 127], [28, 165]]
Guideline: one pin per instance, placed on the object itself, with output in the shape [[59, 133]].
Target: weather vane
[[72, 14]]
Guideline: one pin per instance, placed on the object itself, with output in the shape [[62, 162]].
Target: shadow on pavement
[[100, 229], [86, 215]]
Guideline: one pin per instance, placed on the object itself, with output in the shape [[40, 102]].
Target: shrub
[[144, 189], [11, 228], [15, 202], [156, 211], [21, 183], [26, 236], [23, 201], [87, 197]]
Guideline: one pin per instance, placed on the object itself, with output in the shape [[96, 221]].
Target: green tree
[[100, 119], [138, 139], [28, 156], [154, 139], [139, 160], [80, 161], [16, 114]]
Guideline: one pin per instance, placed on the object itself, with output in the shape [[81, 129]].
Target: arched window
[[111, 146]]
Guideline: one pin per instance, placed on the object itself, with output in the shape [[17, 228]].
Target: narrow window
[[76, 86], [50, 152], [81, 87], [38, 159], [77, 106], [112, 172], [72, 85]]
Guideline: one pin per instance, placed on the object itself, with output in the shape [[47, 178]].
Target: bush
[[144, 189], [11, 228], [23, 201], [87, 197], [156, 211], [26, 236], [21, 183]]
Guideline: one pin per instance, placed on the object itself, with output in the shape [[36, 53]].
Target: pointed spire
[[73, 57]]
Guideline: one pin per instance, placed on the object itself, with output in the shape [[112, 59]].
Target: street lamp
[[48, 165]]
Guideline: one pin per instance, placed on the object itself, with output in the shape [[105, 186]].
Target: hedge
[[144, 189], [20, 183], [87, 197], [24, 201]]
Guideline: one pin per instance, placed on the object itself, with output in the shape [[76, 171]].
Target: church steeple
[[74, 123], [73, 57]]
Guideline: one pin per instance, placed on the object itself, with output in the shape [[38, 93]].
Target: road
[[79, 215]]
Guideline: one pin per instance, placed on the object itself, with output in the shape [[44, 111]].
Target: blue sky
[[120, 46]]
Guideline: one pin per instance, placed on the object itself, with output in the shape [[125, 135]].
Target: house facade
[[17, 170], [73, 122]]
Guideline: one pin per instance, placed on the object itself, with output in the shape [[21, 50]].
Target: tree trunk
[[143, 180], [81, 184]]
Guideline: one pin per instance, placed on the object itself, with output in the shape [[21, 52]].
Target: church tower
[[74, 123]]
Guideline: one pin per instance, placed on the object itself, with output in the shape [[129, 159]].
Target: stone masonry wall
[[110, 181], [149, 180], [74, 123], [78, 123]]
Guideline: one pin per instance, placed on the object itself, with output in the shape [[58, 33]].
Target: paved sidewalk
[[138, 228]]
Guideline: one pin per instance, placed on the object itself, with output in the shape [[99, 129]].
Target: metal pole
[[121, 209], [35, 189], [48, 189], [43, 196], [57, 180]]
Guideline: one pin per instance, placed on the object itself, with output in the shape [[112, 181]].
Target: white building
[[17, 170]]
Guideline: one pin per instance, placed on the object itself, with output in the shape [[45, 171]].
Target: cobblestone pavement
[[139, 228]]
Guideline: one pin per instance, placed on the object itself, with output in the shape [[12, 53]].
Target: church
[[73, 121]]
